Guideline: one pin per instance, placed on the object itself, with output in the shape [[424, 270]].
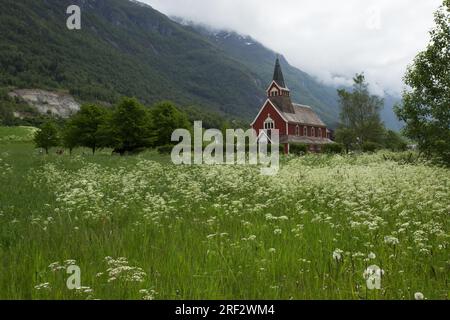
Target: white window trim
[[264, 106], [269, 124]]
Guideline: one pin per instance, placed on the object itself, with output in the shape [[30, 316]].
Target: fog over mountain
[[126, 48], [331, 40]]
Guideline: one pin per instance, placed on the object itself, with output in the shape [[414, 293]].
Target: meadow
[[140, 227]]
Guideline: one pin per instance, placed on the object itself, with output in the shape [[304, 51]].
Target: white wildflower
[[419, 296], [372, 256], [337, 254], [391, 240], [43, 286]]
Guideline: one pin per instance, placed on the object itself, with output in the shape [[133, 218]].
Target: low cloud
[[325, 37]]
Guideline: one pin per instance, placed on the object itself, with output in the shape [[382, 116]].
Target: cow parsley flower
[[419, 296], [391, 240], [43, 286], [56, 266], [337, 254]]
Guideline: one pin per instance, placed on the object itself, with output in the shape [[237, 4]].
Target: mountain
[[128, 48], [123, 48], [260, 60], [305, 89]]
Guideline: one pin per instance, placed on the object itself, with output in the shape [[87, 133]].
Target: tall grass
[[142, 228]]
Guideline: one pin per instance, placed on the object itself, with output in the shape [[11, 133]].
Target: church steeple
[[278, 93], [278, 74]]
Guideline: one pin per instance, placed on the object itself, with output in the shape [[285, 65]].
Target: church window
[[269, 124]]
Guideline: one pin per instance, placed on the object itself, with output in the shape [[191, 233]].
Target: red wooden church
[[296, 123]]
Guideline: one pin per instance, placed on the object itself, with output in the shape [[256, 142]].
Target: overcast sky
[[329, 39]]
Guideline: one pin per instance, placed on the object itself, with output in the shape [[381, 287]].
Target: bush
[[370, 147], [333, 148], [394, 141], [298, 148], [166, 149]]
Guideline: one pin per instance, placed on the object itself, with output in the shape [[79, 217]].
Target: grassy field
[[16, 134], [142, 228]]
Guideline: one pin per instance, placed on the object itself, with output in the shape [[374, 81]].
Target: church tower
[[296, 123], [278, 93], [278, 74]]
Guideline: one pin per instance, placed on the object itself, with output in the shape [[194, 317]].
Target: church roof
[[305, 140], [283, 103], [303, 115], [291, 112], [278, 74]]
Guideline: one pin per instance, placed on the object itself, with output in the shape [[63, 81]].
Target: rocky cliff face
[[60, 104]]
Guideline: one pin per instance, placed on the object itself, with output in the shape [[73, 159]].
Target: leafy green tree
[[6, 115], [426, 104], [47, 137], [84, 128], [130, 127], [346, 137], [165, 119], [70, 138], [360, 111], [394, 141]]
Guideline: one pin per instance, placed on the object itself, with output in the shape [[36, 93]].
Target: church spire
[[278, 74]]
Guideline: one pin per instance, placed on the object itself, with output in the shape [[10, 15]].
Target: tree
[[6, 115], [70, 138], [166, 118], [346, 137], [84, 128], [394, 141], [130, 127], [47, 136], [426, 103], [360, 111]]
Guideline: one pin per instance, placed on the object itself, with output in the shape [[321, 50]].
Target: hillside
[[127, 48], [260, 60], [305, 89], [123, 48]]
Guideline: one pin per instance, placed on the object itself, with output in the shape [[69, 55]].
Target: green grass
[[16, 134], [223, 232]]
